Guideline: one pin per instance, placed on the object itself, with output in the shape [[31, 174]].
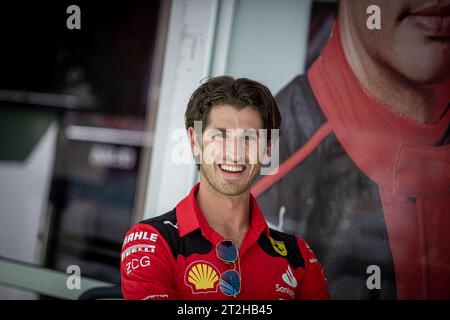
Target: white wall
[[269, 40]]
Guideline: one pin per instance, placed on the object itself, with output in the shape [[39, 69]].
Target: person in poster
[[365, 153]]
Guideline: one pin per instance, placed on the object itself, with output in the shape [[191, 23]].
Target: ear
[[193, 141]]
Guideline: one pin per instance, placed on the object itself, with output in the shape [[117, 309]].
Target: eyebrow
[[224, 130]]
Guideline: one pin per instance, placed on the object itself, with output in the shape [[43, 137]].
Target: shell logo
[[202, 277]]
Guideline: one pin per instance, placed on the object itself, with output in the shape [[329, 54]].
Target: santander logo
[[289, 279]]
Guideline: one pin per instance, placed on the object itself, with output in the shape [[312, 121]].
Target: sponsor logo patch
[[138, 248], [279, 247], [202, 277], [142, 235], [138, 263], [170, 223], [286, 290], [288, 278]]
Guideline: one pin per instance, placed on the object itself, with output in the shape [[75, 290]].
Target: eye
[[250, 138], [219, 135]]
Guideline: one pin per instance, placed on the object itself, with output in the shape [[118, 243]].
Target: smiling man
[[215, 244]]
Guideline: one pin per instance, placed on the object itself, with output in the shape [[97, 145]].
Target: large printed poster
[[364, 156]]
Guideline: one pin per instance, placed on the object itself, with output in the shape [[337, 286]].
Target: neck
[[229, 216], [422, 103]]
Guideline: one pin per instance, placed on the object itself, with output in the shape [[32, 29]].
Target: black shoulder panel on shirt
[[287, 243], [167, 226]]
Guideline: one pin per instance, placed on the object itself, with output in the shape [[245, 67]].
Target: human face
[[228, 169], [414, 40]]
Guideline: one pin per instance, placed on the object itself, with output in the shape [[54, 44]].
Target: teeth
[[231, 168]]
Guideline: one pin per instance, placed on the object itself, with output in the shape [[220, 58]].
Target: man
[[215, 244], [366, 180]]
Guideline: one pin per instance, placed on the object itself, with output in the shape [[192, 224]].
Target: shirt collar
[[190, 218]]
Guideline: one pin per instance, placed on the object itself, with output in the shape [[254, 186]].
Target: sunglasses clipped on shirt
[[229, 281]]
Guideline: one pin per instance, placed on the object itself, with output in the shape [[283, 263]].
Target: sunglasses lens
[[230, 283], [227, 251]]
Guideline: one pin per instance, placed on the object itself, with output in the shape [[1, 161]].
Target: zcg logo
[[137, 263]]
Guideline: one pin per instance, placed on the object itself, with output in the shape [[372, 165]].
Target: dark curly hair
[[238, 93]]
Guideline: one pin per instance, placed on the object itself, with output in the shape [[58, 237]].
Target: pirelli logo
[[138, 248]]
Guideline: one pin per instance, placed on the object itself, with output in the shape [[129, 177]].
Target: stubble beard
[[231, 188]]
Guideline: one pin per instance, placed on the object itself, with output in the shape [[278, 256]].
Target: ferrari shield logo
[[279, 247]]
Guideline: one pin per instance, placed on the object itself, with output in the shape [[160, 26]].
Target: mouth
[[434, 20], [232, 170]]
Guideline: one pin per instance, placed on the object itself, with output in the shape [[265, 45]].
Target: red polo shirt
[[173, 256]]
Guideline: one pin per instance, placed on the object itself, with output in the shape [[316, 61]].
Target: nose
[[234, 150]]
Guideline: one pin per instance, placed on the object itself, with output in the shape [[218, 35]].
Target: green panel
[[21, 129]]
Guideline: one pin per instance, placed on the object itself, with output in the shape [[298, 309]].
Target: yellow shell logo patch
[[202, 277], [279, 247]]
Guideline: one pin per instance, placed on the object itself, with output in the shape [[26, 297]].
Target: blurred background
[[87, 118]]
